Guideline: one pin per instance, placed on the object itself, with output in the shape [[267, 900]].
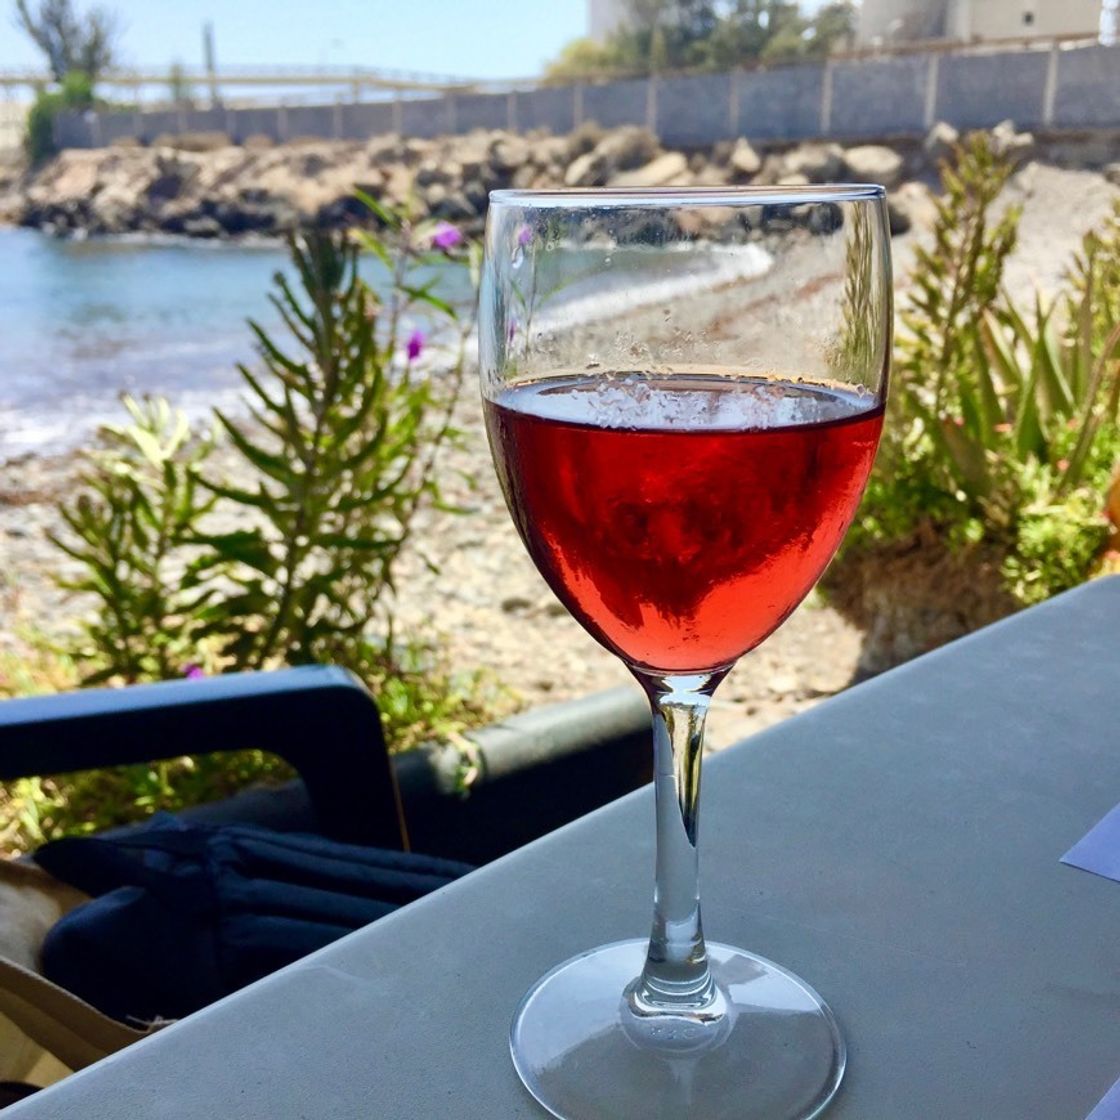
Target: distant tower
[[604, 17]]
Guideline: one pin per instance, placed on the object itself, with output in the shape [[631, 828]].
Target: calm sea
[[83, 321]]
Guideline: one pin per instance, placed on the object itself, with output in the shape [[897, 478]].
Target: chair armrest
[[320, 719]]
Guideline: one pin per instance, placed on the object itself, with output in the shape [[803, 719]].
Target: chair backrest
[[321, 719]]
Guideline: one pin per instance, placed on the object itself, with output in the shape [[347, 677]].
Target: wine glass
[[683, 392]]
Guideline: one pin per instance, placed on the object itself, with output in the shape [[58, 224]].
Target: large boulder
[[940, 142], [910, 206], [73, 174], [623, 149], [627, 148], [550, 153], [772, 169], [1008, 141], [819, 163], [193, 141], [438, 171], [476, 194], [453, 207], [509, 153], [173, 178], [872, 163], [659, 172], [584, 139], [582, 172], [711, 175], [744, 162]]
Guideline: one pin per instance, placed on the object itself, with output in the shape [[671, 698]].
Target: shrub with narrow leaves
[[140, 504], [293, 558], [343, 450], [1002, 427]]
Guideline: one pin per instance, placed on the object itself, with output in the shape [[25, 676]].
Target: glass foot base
[[776, 1054]]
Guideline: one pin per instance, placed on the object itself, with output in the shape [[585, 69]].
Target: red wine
[[681, 518]]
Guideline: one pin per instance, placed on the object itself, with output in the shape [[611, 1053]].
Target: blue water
[[83, 321]]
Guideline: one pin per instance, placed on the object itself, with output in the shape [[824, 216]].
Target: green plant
[[344, 452], [419, 697], [664, 35], [334, 464], [140, 506], [1002, 429], [179, 87], [1093, 281], [75, 92], [291, 558]]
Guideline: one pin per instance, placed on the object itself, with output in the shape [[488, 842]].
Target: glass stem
[[676, 978]]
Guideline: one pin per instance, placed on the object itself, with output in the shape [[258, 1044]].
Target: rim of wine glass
[[690, 196]]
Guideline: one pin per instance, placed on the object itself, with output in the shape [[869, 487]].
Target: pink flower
[[193, 672], [445, 236], [415, 345], [1063, 465], [524, 236]]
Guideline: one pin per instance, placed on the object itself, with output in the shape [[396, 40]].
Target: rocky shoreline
[[201, 185]]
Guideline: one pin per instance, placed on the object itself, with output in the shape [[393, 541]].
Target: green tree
[[833, 28], [76, 92], [707, 35], [582, 58], [70, 41], [179, 85]]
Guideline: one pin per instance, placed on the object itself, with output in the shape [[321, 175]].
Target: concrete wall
[[1088, 93], [781, 104], [361, 121], [615, 103], [1077, 87], [975, 90], [696, 110], [481, 111], [881, 96], [553, 107]]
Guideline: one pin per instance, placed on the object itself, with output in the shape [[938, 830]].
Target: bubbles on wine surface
[[686, 401]]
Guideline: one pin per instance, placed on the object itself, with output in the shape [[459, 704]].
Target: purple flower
[[446, 236], [524, 236], [415, 345], [193, 672]]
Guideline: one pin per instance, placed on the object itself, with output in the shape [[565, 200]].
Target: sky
[[471, 38]]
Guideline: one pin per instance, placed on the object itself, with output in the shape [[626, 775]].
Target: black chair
[[321, 720], [532, 773]]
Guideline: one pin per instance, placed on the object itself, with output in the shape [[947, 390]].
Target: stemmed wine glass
[[683, 391]]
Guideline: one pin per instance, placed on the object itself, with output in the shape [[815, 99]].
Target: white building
[[894, 21], [605, 16]]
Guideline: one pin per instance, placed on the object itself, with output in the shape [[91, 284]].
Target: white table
[[897, 846]]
